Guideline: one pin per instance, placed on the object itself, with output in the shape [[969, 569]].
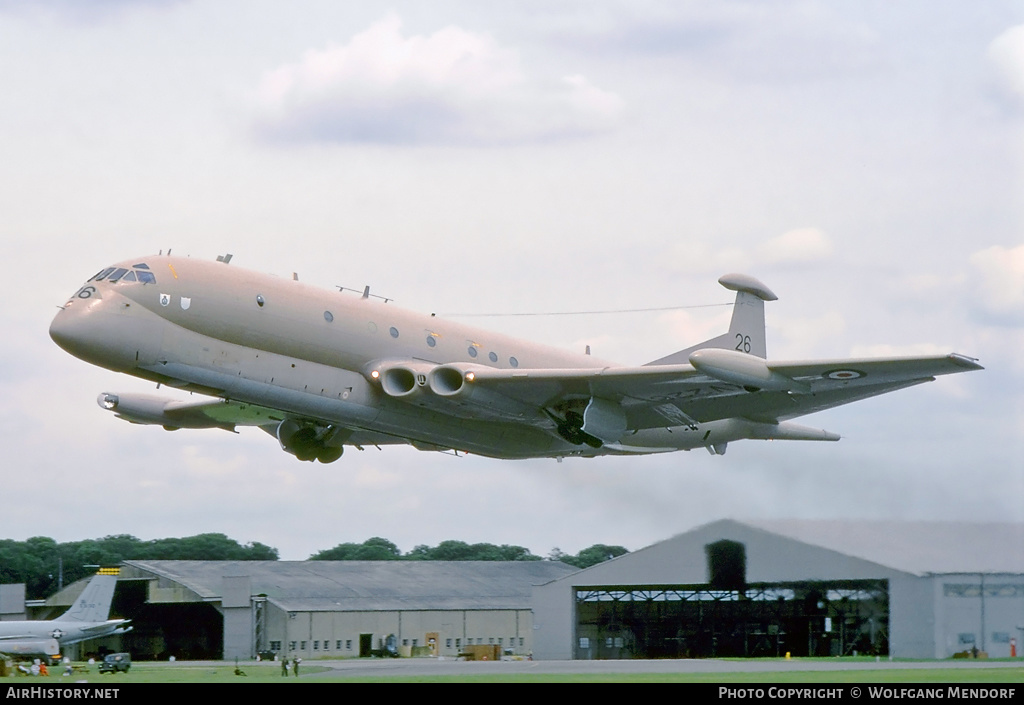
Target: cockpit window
[[139, 273], [102, 274]]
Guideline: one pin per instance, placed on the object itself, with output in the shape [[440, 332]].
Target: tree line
[[381, 549], [44, 565]]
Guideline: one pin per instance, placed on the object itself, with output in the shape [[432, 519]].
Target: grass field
[[185, 672]]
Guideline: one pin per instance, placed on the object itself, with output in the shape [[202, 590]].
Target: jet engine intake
[[405, 381], [448, 380]]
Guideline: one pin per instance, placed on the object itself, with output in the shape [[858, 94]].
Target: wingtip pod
[[748, 371], [748, 284]]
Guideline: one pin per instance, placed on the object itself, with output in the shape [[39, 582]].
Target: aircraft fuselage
[[283, 344]]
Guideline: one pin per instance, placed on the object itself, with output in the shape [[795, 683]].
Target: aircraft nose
[[110, 332], [71, 331]]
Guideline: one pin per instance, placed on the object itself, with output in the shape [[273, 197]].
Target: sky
[[864, 160]]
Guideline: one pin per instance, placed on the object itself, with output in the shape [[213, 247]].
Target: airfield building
[[230, 609], [728, 588], [820, 588]]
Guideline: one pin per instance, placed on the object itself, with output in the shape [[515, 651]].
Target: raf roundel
[[843, 375]]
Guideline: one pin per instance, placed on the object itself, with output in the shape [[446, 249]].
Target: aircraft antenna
[[364, 293], [580, 313]]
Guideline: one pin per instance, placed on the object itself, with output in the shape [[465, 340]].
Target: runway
[[451, 667]]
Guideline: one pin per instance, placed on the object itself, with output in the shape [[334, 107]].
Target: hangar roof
[[919, 547], [306, 586], [796, 550]]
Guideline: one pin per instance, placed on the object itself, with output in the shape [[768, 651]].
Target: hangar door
[[692, 621]]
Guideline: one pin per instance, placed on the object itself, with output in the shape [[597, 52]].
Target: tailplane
[[93, 605], [746, 330]]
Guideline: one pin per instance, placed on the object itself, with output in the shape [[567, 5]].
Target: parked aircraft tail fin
[[746, 331], [93, 605]]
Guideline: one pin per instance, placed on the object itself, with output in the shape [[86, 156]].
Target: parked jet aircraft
[[86, 619], [320, 370]]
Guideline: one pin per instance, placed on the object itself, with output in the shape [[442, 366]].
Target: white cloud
[[999, 283], [792, 248], [1007, 53], [795, 247], [452, 87]]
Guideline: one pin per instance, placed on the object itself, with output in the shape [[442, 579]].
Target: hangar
[[766, 588], [234, 609]]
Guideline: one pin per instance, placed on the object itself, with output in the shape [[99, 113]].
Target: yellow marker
[[171, 267]]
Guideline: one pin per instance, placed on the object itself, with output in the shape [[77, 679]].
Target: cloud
[[793, 248], [999, 283], [452, 87], [83, 12], [1007, 53]]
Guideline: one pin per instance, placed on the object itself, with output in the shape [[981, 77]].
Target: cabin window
[[514, 362], [472, 351], [146, 277], [431, 341], [260, 300], [328, 316], [492, 356], [394, 332], [129, 277], [118, 273]]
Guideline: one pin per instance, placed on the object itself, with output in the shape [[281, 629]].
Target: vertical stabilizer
[[746, 330], [93, 605]]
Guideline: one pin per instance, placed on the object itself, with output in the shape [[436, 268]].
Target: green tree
[[373, 549], [598, 553]]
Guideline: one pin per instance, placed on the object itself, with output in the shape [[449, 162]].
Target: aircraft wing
[[717, 384], [200, 413]]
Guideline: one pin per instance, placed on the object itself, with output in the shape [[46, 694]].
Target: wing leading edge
[[726, 387]]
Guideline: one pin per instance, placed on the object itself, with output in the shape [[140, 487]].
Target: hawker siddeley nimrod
[[321, 369]]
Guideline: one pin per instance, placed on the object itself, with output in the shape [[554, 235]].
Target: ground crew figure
[[295, 666], [284, 667]]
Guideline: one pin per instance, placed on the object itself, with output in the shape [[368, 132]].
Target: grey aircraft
[[321, 369], [86, 619]]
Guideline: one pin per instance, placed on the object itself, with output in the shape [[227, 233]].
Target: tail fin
[[93, 605], [746, 331]]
